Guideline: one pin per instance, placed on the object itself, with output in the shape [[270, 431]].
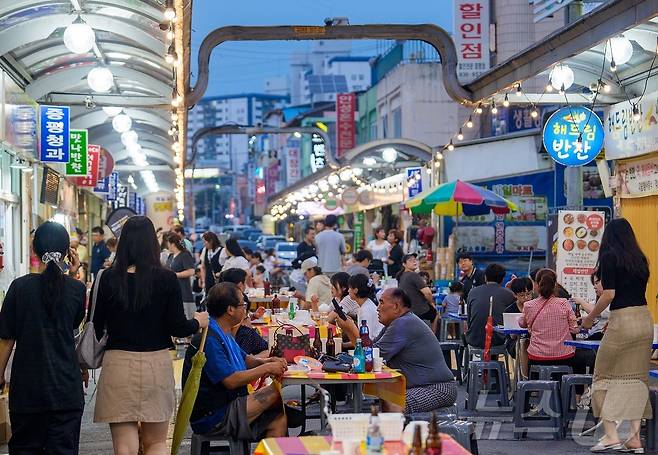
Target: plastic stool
[[547, 419], [568, 398], [459, 351], [549, 372], [447, 414], [652, 425], [443, 332], [470, 352], [201, 445], [462, 432], [497, 375]]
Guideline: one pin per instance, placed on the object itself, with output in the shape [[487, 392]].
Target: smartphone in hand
[[339, 310]]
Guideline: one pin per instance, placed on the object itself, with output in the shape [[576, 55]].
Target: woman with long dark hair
[[141, 307], [620, 386], [182, 263], [39, 315], [210, 267], [235, 257], [362, 291], [395, 254], [341, 293]]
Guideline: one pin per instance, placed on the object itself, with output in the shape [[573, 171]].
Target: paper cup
[[378, 364], [375, 352], [339, 345]]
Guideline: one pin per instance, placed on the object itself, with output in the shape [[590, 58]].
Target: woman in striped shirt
[[551, 321]]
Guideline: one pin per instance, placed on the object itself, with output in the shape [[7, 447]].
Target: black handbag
[[340, 364]]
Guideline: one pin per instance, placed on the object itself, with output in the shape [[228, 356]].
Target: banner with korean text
[[77, 163], [91, 179], [471, 35], [54, 133], [345, 127]]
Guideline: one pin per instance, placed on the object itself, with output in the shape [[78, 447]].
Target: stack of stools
[[568, 398], [470, 352], [449, 346], [549, 372], [494, 388], [547, 418]]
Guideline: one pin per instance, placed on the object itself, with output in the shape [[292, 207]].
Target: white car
[[265, 242], [286, 252]]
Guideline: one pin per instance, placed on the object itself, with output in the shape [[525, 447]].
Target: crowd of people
[[143, 297]]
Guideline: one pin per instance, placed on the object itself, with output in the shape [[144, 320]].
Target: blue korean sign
[[102, 186], [54, 131], [414, 181], [561, 134], [113, 186]]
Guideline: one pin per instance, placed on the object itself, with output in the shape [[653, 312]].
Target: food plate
[[298, 369], [308, 362]]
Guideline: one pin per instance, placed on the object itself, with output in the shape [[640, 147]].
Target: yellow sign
[[309, 30], [163, 206]]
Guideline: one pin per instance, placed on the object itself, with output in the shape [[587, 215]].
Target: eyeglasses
[[524, 294]]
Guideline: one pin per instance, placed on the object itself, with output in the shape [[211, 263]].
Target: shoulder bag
[[89, 349], [290, 346], [537, 315]]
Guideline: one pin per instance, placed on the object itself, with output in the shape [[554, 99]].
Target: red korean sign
[[345, 127], [93, 158], [260, 192], [471, 38], [105, 164]]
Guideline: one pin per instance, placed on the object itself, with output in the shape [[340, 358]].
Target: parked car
[[237, 230], [286, 252], [251, 234], [266, 242]]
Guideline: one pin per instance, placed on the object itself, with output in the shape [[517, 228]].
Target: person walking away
[[140, 305], [620, 384], [39, 315], [379, 247], [306, 248], [210, 267], [551, 321], [223, 406], [180, 230], [425, 234], [395, 254], [99, 251], [478, 306], [330, 246], [415, 287], [471, 276], [182, 263], [362, 260]]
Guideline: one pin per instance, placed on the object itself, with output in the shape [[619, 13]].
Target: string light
[[460, 135], [494, 109], [519, 92], [636, 113], [478, 110], [613, 65], [549, 87], [451, 146], [170, 12], [469, 122], [534, 113], [171, 56], [506, 101]]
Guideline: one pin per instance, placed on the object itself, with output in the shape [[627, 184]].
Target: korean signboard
[[573, 136], [20, 117], [91, 179], [318, 152], [514, 118], [345, 127], [625, 137], [271, 178], [414, 181], [54, 129], [113, 186], [102, 186], [260, 192], [77, 164], [293, 163], [637, 179], [471, 36], [579, 240]]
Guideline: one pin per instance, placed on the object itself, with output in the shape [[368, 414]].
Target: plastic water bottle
[[374, 440], [359, 365]]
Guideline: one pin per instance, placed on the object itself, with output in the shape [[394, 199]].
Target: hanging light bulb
[[79, 37], [469, 122], [389, 154], [534, 113], [460, 135], [129, 137], [174, 115], [450, 146], [100, 79], [561, 77], [111, 111], [171, 56], [428, 170], [494, 109], [636, 113], [562, 89], [519, 92], [170, 12], [613, 65], [619, 50], [506, 101], [170, 34], [175, 99], [606, 87], [439, 156], [549, 87], [122, 123], [478, 109]]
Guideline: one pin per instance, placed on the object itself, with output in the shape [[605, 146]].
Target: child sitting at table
[[452, 303], [258, 279]]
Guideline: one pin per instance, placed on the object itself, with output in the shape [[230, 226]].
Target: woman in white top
[[235, 258], [318, 290], [362, 291], [379, 246], [340, 291]]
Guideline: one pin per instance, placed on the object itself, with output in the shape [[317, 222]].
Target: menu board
[[579, 240]]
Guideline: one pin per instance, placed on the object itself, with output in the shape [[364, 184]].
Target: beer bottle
[[331, 344], [433, 443], [317, 343], [417, 445]]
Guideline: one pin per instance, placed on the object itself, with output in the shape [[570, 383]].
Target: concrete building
[[277, 85]]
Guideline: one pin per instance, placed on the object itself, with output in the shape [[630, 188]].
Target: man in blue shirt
[[99, 251], [223, 406]]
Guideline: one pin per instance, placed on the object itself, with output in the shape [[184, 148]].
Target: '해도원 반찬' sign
[[573, 136]]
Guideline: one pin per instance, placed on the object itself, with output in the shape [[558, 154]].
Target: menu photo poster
[[579, 241]]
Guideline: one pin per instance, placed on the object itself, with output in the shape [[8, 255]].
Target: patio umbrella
[[190, 391], [459, 198]]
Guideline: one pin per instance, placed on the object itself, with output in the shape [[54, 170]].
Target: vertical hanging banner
[[54, 133], [471, 35], [345, 127], [318, 153], [93, 158], [414, 181], [113, 186], [77, 164], [122, 196], [102, 186]]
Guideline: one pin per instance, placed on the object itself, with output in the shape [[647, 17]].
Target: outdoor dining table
[[592, 344], [307, 445], [389, 385]]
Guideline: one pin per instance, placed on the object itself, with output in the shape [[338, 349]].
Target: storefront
[[633, 145]]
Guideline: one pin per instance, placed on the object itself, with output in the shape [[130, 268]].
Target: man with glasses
[[223, 406], [472, 277]]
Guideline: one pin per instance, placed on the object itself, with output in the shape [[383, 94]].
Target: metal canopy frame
[[429, 33]]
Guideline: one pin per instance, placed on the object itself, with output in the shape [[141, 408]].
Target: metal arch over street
[[253, 131], [429, 33]]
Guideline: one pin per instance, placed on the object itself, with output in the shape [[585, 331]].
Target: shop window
[[397, 122]]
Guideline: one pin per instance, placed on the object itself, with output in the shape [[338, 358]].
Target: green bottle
[[359, 365], [291, 309]]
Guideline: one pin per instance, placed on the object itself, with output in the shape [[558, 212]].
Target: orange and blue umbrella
[[460, 198]]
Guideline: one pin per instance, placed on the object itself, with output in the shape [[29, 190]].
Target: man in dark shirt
[[478, 306], [472, 277], [99, 251], [223, 407], [362, 260], [306, 247], [414, 286]]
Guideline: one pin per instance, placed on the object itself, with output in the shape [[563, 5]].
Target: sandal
[[626, 449], [600, 447]]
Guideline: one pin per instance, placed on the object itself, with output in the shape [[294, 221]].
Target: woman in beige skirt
[[621, 373], [140, 305]]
